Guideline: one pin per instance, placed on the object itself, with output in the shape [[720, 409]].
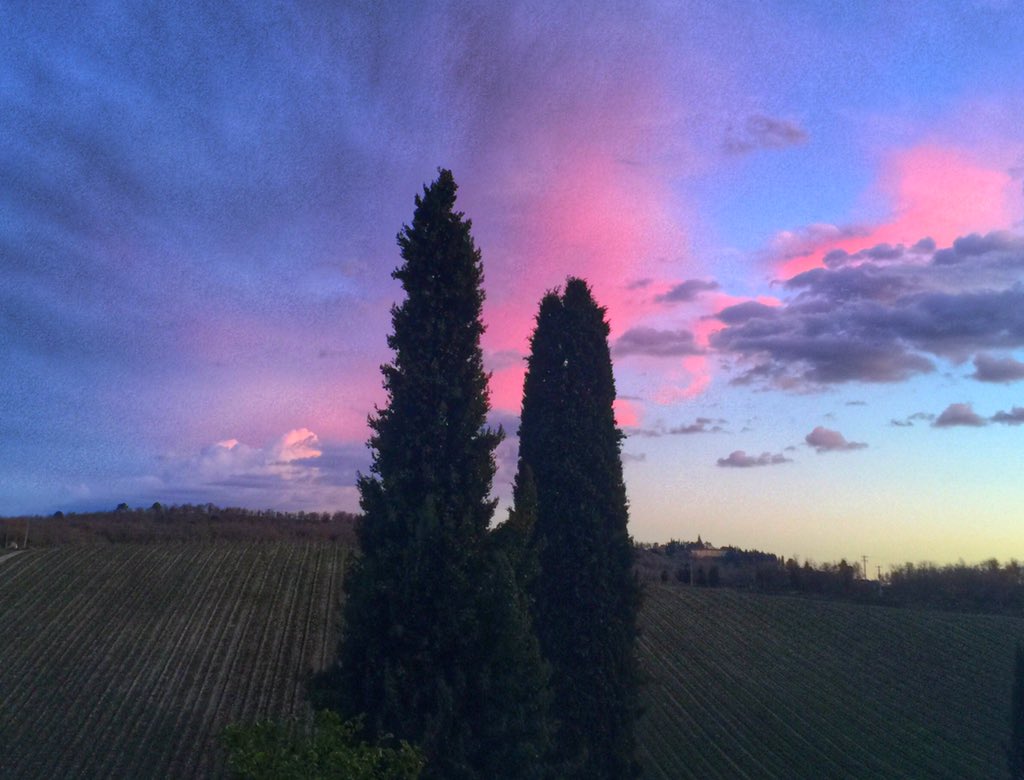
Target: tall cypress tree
[[586, 597], [433, 623]]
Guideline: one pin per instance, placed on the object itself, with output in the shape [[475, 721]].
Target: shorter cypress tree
[[585, 595]]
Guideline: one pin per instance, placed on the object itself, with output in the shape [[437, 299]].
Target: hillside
[[126, 660], [747, 685]]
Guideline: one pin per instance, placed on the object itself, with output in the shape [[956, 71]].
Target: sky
[[806, 221]]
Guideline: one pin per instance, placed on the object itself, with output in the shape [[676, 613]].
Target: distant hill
[[126, 660], [168, 523]]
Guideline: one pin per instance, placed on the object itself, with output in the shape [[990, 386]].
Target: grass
[[127, 660]]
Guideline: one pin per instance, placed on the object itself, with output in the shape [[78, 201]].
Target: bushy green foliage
[[586, 598], [276, 750], [436, 645]]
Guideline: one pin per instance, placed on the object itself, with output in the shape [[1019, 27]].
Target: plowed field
[[127, 660]]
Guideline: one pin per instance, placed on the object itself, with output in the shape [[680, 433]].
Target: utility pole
[[25, 545], [864, 571]]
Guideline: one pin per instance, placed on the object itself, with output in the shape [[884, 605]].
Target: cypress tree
[[433, 623], [586, 597], [1015, 752], [514, 537]]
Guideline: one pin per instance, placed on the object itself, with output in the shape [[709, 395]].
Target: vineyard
[[745, 685], [126, 661]]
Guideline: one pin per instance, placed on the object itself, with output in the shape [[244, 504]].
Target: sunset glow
[[797, 222]]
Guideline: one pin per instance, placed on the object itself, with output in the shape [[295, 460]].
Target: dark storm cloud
[[740, 460], [687, 291], [924, 246], [1013, 417], [908, 422], [699, 425], [836, 257], [746, 311], [764, 132], [876, 322], [826, 440], [880, 252], [975, 244], [999, 370], [656, 343], [958, 415], [805, 345], [867, 282]]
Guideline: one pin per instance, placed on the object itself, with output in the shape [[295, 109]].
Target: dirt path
[[10, 555]]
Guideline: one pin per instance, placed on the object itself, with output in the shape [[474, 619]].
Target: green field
[[126, 660]]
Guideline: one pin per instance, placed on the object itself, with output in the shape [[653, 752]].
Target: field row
[[127, 660], [743, 685]]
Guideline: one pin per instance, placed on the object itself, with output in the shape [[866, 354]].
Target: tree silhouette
[[586, 597], [514, 537], [433, 623]]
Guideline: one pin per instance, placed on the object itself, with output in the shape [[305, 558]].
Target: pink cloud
[[690, 376], [959, 414], [506, 386], [583, 186], [826, 440], [595, 218], [935, 190], [688, 380], [627, 413], [296, 445]]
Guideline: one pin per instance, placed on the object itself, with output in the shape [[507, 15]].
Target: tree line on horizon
[[504, 652], [175, 523], [989, 586]]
